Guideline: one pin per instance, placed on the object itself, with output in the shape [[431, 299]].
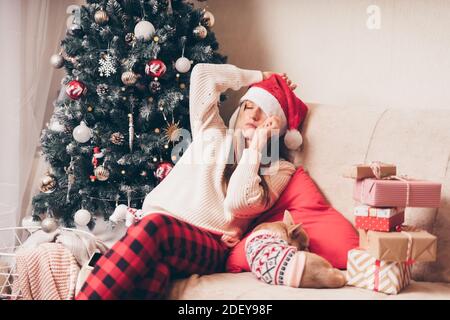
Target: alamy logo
[[374, 17], [207, 151]]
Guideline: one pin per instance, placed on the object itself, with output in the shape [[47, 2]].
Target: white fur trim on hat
[[293, 139], [268, 103]]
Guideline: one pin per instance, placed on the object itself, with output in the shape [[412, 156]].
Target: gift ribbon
[[401, 178], [406, 231], [376, 281]]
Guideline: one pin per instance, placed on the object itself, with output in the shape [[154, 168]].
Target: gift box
[[365, 271], [399, 246], [394, 192], [378, 219], [373, 170]]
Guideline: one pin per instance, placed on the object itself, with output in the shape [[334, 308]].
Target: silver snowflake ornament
[[107, 66]]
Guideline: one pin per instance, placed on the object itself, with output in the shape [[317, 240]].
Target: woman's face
[[249, 118]]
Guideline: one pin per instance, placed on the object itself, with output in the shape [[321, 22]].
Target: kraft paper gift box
[[394, 246], [361, 171], [378, 219], [365, 271], [398, 193]]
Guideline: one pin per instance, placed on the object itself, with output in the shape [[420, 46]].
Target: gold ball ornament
[[129, 78], [49, 225], [57, 61], [101, 173], [157, 130], [101, 17], [208, 19], [200, 32], [182, 86], [48, 183], [90, 109]]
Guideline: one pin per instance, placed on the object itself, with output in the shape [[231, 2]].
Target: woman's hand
[[267, 74], [264, 131]]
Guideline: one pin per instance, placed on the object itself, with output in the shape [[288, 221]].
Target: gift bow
[[376, 168]]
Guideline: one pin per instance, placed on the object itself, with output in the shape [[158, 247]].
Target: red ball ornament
[[75, 89], [155, 68], [163, 170]]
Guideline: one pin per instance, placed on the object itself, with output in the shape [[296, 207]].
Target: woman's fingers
[[285, 77]]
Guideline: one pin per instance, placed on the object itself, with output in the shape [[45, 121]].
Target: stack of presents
[[387, 248]]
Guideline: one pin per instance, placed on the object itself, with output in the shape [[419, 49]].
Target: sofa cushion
[[331, 235]]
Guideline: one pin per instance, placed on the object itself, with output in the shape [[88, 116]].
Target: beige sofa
[[418, 141]]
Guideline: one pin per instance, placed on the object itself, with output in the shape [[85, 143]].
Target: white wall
[[326, 47]]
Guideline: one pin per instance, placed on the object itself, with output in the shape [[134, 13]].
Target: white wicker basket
[[8, 275]]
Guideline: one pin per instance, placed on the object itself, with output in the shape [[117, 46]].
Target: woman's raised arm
[[208, 81]]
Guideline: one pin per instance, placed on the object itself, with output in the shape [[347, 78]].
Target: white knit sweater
[[195, 191]]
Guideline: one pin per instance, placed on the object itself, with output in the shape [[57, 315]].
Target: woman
[[205, 205]]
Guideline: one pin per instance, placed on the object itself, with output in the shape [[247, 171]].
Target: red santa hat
[[274, 97]]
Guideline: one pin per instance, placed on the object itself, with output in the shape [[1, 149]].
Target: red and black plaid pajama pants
[[154, 251]]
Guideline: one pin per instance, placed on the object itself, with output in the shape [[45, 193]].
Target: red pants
[[156, 250]]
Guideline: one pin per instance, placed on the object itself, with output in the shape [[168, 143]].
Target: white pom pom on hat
[[274, 97]]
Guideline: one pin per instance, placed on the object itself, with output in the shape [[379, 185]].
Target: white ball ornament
[[144, 30], [30, 224], [82, 217], [183, 65], [119, 215], [293, 139], [82, 133]]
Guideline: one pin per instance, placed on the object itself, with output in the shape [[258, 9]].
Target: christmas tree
[[123, 103]]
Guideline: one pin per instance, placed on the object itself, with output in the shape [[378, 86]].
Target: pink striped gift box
[[398, 193]]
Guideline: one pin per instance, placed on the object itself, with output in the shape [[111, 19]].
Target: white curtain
[[30, 32]]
